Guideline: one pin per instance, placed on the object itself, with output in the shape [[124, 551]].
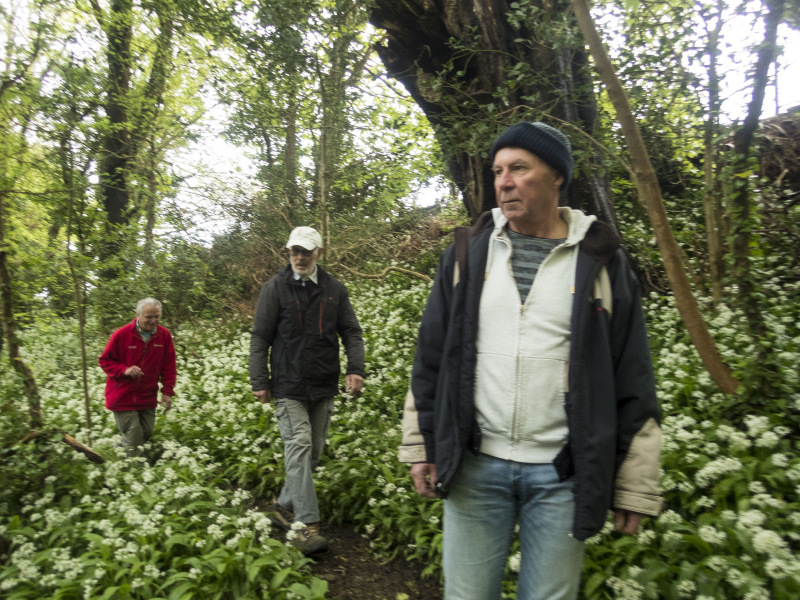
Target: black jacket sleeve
[[430, 350], [350, 331], [262, 335]]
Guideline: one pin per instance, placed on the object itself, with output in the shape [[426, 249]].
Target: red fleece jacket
[[156, 359]]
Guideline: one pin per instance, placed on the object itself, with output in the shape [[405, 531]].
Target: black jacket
[[302, 329], [612, 412]]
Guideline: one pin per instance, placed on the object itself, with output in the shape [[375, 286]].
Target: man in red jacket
[[136, 357]]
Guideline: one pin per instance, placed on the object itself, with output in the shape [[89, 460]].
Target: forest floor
[[354, 572]]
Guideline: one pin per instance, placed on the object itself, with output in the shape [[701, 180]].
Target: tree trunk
[[153, 98], [322, 182], [337, 71], [743, 211], [144, 127], [66, 160], [476, 67], [80, 303], [150, 210], [712, 203], [290, 156], [711, 194], [31, 390], [116, 147], [116, 154], [648, 189], [129, 127]]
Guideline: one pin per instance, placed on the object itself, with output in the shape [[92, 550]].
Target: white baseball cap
[[306, 237]]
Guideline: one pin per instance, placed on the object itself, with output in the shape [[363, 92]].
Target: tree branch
[[384, 273]]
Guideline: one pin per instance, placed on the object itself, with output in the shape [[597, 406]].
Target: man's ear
[[320, 250]]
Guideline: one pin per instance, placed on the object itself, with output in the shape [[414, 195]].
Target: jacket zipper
[[519, 335]]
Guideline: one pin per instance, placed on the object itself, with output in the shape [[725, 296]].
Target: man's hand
[[134, 372], [354, 383], [166, 402], [626, 521], [263, 395], [424, 476]]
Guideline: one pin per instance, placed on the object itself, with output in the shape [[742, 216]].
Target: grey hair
[[144, 302]]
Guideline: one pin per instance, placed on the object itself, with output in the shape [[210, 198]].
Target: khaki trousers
[[136, 427]]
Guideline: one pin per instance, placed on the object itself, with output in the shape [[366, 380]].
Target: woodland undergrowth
[[184, 524]]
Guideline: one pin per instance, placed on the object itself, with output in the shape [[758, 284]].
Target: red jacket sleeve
[[110, 358], [169, 371]]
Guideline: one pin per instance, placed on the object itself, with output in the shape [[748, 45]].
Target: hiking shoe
[[280, 517], [307, 539]]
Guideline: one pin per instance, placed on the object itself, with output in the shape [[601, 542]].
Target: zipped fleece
[[156, 359], [614, 435], [302, 331], [525, 347]]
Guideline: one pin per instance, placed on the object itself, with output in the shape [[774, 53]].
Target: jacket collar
[[578, 222], [596, 238]]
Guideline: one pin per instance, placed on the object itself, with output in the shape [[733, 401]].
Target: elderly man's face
[[526, 187], [151, 315], [304, 261]]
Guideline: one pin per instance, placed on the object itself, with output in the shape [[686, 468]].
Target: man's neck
[[550, 226]]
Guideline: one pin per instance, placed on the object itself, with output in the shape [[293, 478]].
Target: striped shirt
[[526, 257]]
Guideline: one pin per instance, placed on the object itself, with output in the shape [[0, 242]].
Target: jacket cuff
[[412, 454], [637, 486], [260, 384], [645, 504]]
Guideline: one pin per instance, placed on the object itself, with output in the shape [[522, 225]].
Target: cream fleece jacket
[[523, 350]]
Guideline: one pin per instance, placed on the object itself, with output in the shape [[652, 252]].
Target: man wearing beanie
[[294, 358], [532, 400]]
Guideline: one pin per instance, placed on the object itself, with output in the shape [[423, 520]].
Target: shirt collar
[[314, 277], [144, 333]]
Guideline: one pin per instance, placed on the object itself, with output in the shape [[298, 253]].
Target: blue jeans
[[304, 430], [488, 496]]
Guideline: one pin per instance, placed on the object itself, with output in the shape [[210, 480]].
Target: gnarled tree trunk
[[476, 67]]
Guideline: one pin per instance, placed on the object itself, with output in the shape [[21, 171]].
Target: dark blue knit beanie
[[546, 142]]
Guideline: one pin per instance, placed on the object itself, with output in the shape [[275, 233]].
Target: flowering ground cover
[[185, 525]]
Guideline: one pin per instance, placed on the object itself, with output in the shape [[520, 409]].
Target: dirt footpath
[[354, 573]]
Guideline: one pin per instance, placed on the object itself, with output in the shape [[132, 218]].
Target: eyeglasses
[[300, 251]]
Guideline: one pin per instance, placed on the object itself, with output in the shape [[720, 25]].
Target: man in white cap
[[294, 358]]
